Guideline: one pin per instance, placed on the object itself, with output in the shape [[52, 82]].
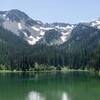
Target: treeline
[[27, 59]]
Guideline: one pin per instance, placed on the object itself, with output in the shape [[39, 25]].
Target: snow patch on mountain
[[98, 27], [32, 41], [65, 35], [42, 33], [63, 38], [19, 26], [95, 23], [7, 19], [4, 15], [35, 28], [46, 28], [25, 34], [68, 27]]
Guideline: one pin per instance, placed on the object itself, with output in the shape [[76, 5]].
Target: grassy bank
[[64, 69], [43, 68]]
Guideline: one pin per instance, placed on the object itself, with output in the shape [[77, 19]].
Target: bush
[[2, 67]]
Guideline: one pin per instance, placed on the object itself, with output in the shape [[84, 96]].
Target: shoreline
[[46, 71]]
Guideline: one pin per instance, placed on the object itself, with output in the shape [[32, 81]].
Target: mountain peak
[[16, 15], [15, 10]]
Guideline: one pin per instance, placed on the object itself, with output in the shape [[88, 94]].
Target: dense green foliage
[[82, 51]]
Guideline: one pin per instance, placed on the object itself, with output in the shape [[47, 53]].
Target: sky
[[69, 11]]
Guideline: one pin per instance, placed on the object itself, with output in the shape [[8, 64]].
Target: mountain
[[25, 42], [32, 31], [83, 36]]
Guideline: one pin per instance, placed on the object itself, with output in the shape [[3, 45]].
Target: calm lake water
[[49, 86]]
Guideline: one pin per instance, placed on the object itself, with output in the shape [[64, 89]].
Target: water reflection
[[34, 96], [65, 96], [49, 86]]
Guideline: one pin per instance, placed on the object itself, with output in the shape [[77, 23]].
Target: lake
[[49, 86]]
